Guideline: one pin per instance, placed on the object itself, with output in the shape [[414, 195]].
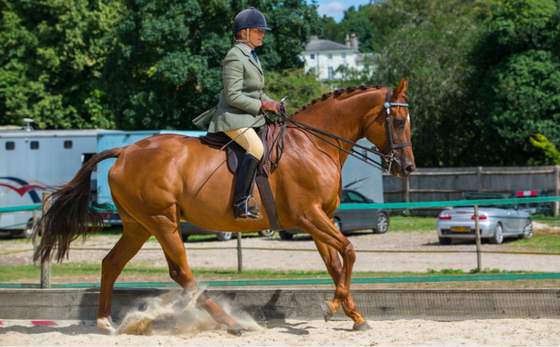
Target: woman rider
[[241, 102]]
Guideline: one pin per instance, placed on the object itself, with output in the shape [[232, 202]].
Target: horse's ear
[[401, 88]]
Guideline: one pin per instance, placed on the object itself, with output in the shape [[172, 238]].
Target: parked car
[[495, 223], [354, 219], [187, 229], [534, 207]]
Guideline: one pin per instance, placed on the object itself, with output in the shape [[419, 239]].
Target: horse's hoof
[[237, 330], [327, 310], [107, 324], [361, 327]]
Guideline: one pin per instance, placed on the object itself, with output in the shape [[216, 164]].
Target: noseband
[[389, 151]]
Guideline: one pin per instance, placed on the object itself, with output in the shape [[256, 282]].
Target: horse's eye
[[399, 122]]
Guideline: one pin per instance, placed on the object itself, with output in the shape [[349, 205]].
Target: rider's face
[[255, 37]]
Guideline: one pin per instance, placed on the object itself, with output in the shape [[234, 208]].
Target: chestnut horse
[[159, 180]]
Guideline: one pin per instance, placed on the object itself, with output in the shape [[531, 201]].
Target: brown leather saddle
[[235, 155]]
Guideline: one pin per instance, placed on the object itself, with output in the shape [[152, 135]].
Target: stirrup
[[242, 209]]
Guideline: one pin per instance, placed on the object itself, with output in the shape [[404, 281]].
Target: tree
[[518, 79], [429, 41], [299, 87], [354, 22], [51, 55], [166, 65]]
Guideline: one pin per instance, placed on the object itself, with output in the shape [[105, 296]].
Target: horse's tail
[[70, 215]]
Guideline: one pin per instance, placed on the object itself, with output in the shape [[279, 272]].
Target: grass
[[412, 224], [539, 243], [15, 273], [551, 221]]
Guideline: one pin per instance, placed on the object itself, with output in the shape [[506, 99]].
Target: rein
[[388, 153]]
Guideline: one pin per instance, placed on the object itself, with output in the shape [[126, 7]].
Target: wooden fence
[[447, 184]]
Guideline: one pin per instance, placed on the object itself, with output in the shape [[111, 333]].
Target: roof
[[50, 133], [326, 45]]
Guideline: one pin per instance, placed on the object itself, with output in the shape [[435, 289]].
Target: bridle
[[388, 153]]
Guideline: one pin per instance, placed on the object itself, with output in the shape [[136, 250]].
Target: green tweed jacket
[[240, 100]]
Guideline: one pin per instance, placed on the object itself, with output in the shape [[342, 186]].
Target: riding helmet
[[249, 18]]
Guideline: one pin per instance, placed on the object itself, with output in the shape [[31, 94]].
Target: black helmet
[[249, 18]]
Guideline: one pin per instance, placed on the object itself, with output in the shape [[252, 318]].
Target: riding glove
[[272, 106]]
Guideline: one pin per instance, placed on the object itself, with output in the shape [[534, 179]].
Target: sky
[[336, 8]]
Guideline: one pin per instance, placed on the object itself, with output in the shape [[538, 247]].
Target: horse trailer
[[32, 162]]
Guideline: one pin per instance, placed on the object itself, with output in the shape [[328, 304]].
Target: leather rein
[[388, 153]]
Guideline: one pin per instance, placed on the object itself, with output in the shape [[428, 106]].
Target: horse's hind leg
[[334, 267], [166, 229], [134, 236]]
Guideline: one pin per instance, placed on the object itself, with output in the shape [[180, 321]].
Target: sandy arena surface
[[509, 332]]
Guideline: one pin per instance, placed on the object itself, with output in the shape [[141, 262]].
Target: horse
[[159, 180]]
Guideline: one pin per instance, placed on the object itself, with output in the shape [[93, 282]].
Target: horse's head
[[380, 128]]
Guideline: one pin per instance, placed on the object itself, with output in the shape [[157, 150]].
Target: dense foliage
[[431, 46], [131, 64], [484, 74], [354, 22], [51, 56], [166, 66], [517, 82]]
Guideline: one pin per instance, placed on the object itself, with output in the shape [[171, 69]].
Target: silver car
[[495, 223]]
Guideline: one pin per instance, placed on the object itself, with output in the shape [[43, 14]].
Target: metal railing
[[45, 269]]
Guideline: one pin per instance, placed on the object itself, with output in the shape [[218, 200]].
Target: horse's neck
[[341, 117]]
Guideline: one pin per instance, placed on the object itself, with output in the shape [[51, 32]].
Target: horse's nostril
[[410, 168]]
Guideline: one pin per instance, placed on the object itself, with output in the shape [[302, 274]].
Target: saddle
[[235, 155]]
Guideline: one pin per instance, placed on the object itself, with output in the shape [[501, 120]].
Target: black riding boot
[[241, 207]]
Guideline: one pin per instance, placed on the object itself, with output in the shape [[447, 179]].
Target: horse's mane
[[337, 93]]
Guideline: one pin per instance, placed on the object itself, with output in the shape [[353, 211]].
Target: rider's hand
[[272, 106]]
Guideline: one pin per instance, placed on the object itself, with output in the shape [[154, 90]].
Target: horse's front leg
[[316, 223], [334, 267]]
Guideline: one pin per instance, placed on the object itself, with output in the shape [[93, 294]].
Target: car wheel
[[444, 241], [527, 230], [498, 236], [224, 235], [267, 233], [284, 235], [382, 224]]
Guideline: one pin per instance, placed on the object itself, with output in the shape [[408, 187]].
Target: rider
[[242, 101]]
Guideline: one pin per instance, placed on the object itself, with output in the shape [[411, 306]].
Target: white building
[[325, 57]]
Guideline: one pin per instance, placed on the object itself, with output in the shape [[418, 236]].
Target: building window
[[312, 56], [10, 145], [331, 73], [329, 56], [68, 144], [34, 144], [343, 55]]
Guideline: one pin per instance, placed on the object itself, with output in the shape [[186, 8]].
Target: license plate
[[461, 229]]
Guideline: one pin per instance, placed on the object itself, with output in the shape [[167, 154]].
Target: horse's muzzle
[[402, 168]]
